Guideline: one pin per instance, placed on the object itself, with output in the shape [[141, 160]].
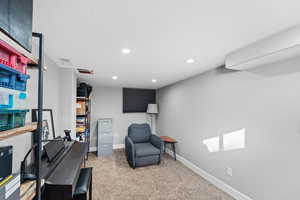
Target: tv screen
[[137, 100]]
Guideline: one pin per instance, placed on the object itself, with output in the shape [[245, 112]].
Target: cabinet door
[[20, 21], [4, 15]]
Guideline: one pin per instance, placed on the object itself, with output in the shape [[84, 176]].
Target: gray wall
[[51, 89], [107, 102], [67, 100], [264, 101]]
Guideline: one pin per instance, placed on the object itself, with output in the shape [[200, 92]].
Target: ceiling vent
[[280, 46], [65, 62]]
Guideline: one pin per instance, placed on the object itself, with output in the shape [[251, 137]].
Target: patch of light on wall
[[212, 144], [234, 140]]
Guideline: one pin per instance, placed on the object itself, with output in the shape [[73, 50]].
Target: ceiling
[[161, 34]]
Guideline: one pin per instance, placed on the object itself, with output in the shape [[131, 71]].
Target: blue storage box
[[12, 79]]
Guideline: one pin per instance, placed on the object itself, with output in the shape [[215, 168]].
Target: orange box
[[80, 108]]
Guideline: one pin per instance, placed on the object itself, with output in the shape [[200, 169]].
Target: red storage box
[[10, 57]]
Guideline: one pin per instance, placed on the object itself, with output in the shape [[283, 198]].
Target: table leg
[[164, 147], [174, 151]]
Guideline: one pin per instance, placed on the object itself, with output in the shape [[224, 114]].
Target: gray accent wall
[[264, 101], [67, 101], [51, 89], [107, 102]]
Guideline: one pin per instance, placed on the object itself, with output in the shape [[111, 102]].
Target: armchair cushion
[[139, 133], [145, 149]]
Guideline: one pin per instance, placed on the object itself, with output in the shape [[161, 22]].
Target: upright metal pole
[[40, 116]]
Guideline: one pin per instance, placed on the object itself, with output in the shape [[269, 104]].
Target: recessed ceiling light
[[190, 61], [114, 77], [126, 51], [154, 81]]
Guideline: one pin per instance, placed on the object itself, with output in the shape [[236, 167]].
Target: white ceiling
[[162, 35]]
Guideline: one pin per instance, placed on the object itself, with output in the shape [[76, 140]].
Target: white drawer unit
[[105, 137]]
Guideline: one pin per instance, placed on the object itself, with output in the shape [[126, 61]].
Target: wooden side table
[[169, 140]]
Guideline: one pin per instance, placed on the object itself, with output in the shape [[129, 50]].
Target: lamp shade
[[152, 109]]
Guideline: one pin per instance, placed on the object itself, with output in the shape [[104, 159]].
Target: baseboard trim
[[210, 178], [119, 146], [93, 149], [115, 146]]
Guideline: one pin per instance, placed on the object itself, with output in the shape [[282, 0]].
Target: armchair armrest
[[157, 142], [130, 151]]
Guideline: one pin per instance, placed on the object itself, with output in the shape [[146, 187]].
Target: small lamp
[[152, 110]]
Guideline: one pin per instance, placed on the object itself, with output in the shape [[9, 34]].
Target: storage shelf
[[82, 98], [83, 118], [30, 127], [19, 48]]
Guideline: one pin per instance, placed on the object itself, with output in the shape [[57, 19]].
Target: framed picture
[[48, 123], [45, 131]]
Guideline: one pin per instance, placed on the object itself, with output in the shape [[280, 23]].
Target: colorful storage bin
[[10, 119], [12, 79], [12, 58]]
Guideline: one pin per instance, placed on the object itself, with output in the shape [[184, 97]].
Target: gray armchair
[[142, 147]]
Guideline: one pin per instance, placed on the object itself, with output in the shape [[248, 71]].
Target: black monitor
[[137, 100]]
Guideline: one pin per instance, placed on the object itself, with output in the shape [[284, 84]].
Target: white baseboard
[[93, 149], [119, 146], [210, 178], [115, 146]]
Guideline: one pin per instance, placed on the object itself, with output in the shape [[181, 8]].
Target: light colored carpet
[[113, 179]]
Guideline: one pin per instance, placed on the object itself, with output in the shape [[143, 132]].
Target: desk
[[169, 140]]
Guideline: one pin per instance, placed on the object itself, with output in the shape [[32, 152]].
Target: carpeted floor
[[113, 179]]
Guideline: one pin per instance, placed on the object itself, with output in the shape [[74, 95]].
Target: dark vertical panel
[[137, 100], [38, 134], [4, 15], [20, 21], [16, 20]]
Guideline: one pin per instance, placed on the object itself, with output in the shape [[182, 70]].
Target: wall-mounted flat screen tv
[[137, 100]]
